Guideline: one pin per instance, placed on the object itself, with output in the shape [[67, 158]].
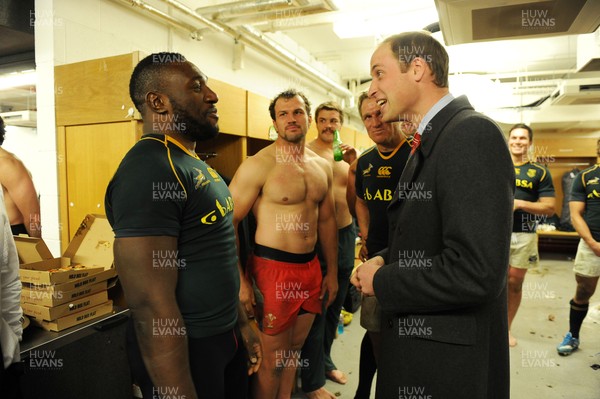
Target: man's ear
[[419, 69], [157, 102]]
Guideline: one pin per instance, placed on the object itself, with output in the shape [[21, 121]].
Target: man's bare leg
[[275, 378], [267, 381], [515, 292], [299, 331]]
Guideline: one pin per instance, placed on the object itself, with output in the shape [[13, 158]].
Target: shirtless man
[[329, 117], [289, 190], [20, 197]]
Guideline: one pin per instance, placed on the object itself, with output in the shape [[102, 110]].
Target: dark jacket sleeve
[[471, 178]]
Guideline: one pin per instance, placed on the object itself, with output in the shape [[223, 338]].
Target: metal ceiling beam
[[242, 7], [155, 12], [249, 36]]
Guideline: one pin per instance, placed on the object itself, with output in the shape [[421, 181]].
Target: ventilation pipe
[[249, 36]]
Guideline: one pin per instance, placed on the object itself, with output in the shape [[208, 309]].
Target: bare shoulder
[[315, 148], [9, 162], [257, 165], [314, 157], [262, 159]]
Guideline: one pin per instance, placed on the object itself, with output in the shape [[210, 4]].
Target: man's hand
[[362, 279], [364, 252], [251, 338], [247, 296], [329, 286], [349, 152]]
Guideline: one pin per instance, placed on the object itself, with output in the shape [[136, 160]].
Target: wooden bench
[[558, 241]]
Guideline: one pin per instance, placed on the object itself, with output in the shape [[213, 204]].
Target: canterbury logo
[[384, 171]]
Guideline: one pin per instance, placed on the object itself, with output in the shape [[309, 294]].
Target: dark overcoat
[[443, 287]]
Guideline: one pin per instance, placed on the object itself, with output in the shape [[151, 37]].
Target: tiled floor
[[537, 371]]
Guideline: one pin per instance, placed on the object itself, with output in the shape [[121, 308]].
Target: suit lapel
[[408, 174], [432, 132]]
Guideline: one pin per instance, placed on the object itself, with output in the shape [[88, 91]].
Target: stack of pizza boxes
[[59, 293]]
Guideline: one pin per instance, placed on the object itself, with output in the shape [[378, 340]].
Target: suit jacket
[[443, 288]]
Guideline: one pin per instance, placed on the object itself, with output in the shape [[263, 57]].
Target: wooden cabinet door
[[94, 91], [92, 155], [549, 148]]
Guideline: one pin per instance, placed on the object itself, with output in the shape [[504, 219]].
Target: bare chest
[[294, 183]]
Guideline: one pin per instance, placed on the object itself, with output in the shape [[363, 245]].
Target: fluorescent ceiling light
[[383, 18], [18, 79]]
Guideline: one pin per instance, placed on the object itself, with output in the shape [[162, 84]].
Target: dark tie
[[410, 168], [416, 142]]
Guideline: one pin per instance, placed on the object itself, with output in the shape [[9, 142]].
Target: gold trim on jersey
[[591, 169], [543, 169], [384, 157], [166, 142]]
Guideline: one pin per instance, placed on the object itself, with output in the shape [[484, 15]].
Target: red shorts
[[286, 287]]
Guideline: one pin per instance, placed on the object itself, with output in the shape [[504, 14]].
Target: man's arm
[[546, 203], [351, 188], [251, 337], [544, 206], [349, 153], [15, 178], [10, 288], [468, 270], [151, 297], [363, 218], [327, 233], [577, 209], [245, 188]]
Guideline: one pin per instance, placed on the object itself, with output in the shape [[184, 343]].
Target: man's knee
[[515, 282], [584, 293], [586, 287]]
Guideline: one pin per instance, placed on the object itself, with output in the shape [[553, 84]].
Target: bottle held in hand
[[338, 154]]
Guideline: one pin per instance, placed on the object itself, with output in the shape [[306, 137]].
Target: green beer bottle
[[338, 155]]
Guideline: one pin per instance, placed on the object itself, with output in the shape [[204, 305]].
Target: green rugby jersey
[[532, 181], [586, 188], [161, 189]]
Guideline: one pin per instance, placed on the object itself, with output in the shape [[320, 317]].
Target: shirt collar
[[437, 107]]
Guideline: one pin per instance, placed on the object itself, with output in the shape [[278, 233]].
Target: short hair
[[287, 94], [2, 131], [330, 106], [522, 126], [147, 75], [363, 96], [420, 44]]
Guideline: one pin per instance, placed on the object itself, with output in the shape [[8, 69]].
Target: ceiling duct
[[20, 118], [588, 52], [17, 21], [577, 92], [468, 21]]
